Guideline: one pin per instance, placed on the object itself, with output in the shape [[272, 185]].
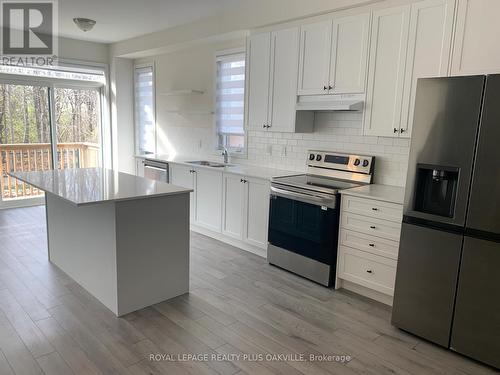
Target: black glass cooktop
[[316, 183]]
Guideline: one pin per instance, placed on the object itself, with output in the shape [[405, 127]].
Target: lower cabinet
[[246, 209], [236, 206], [368, 246], [183, 175], [208, 202]]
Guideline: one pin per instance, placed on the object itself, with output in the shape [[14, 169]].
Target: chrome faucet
[[226, 155]]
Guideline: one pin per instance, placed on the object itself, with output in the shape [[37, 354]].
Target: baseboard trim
[[230, 241], [366, 292]]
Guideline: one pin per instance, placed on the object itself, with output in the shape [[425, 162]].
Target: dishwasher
[[156, 170]]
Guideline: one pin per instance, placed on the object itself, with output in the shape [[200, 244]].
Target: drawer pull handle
[[369, 271], [374, 208], [371, 244], [372, 226]]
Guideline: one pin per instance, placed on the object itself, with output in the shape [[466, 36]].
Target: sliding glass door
[[77, 113], [25, 137], [45, 127]]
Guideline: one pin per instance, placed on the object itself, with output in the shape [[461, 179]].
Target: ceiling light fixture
[[84, 24]]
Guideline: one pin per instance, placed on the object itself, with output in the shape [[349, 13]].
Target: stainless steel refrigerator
[[448, 277]]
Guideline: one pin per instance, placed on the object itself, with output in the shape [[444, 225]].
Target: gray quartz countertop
[[232, 167], [387, 193], [95, 185]]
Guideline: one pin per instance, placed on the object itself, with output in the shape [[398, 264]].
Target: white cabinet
[[246, 209], [429, 46], [272, 70], [182, 175], [208, 202], [233, 206], [257, 73], [408, 42], [476, 47], [386, 73], [256, 212], [283, 83], [315, 49], [333, 56], [368, 246], [349, 55], [139, 167]]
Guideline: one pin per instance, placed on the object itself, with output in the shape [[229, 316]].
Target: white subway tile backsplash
[[336, 131]]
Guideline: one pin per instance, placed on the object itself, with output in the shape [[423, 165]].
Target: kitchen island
[[124, 238]]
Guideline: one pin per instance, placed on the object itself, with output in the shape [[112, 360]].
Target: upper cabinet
[[333, 56], [429, 46], [272, 71], [386, 71], [257, 74], [408, 42], [476, 49]]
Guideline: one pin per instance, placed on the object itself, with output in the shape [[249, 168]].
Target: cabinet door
[[389, 38], [181, 175], [315, 45], [139, 167], [258, 70], [208, 199], [256, 212], [233, 206], [285, 57], [477, 29], [429, 45], [349, 54]]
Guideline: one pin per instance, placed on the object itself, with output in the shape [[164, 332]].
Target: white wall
[[122, 114], [83, 51]]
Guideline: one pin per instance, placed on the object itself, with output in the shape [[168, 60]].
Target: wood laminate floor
[[238, 306]]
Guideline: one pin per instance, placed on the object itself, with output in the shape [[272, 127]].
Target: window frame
[[153, 68], [243, 153]]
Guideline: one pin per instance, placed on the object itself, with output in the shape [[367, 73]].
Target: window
[[145, 125], [230, 102]]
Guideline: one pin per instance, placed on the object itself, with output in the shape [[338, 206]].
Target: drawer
[[373, 208], [371, 271], [370, 225], [369, 243]]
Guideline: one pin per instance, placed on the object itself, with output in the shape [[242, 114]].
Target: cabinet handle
[[371, 244], [264, 126], [401, 130], [395, 130], [330, 87], [268, 126], [325, 88], [372, 226], [374, 208], [369, 271]]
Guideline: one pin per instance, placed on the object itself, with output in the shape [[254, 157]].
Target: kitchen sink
[[206, 163]]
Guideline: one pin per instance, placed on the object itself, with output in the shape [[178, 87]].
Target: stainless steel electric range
[[304, 213]]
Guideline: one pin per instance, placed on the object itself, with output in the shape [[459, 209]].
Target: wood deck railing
[[37, 157]]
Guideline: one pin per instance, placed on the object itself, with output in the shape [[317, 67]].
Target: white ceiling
[[123, 19]]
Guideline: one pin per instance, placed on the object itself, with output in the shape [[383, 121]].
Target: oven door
[[304, 223]]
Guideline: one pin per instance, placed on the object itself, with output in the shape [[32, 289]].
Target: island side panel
[[82, 243], [152, 250]]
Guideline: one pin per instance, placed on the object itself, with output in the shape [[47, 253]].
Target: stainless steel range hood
[[330, 103]]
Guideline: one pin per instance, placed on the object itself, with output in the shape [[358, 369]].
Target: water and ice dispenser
[[436, 189]]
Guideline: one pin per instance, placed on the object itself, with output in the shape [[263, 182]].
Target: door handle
[[371, 244], [369, 271], [372, 226]]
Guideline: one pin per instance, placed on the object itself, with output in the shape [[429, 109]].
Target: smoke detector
[[84, 24]]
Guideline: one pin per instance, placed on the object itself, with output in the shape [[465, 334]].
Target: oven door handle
[[307, 198]]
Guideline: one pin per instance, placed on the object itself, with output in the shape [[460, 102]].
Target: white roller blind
[[230, 96], [145, 128]]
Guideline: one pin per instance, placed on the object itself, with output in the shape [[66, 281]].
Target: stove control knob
[[356, 162], [318, 157], [365, 163], [311, 156]]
